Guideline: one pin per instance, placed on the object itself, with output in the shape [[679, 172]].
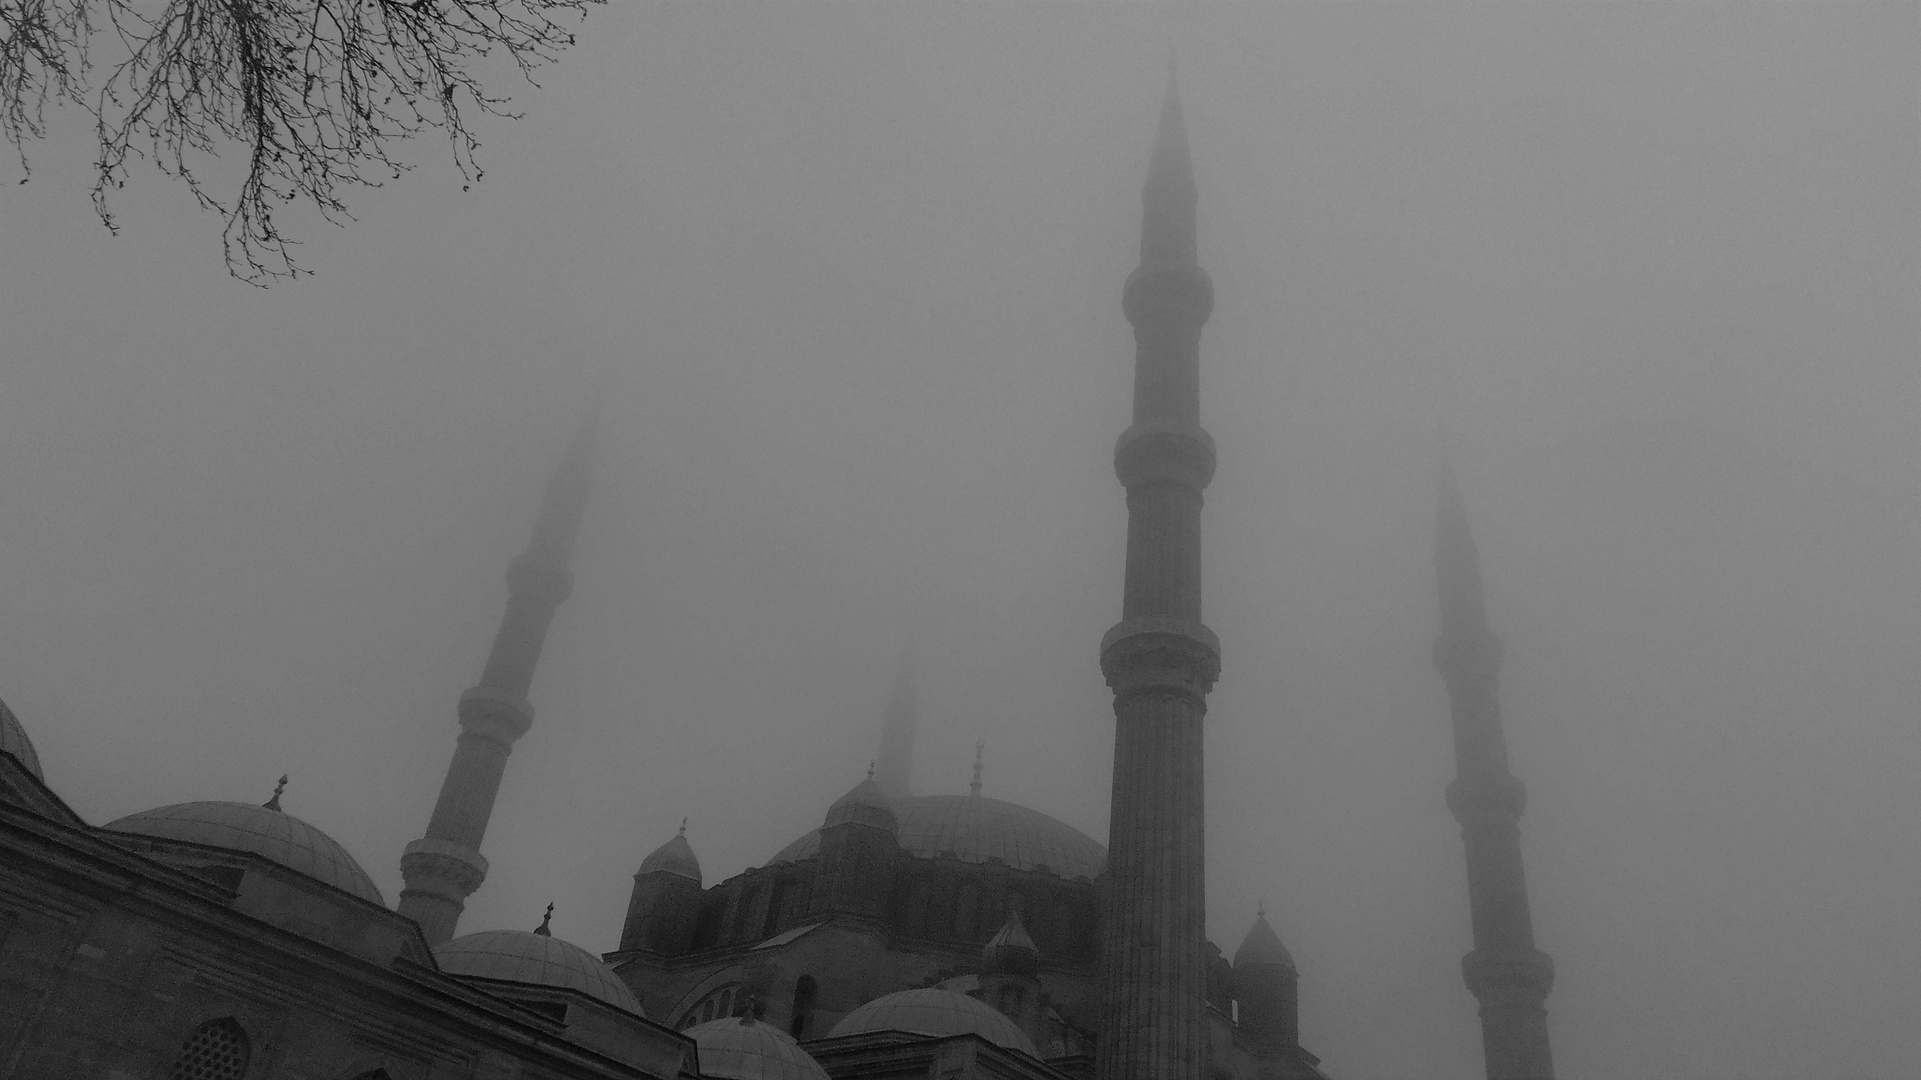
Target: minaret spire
[[1159, 659], [894, 766], [1505, 972], [444, 867]]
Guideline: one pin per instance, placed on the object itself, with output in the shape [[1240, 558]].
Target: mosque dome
[[743, 1048], [262, 830], [932, 1011], [13, 740], [535, 959], [976, 829], [676, 856], [1263, 946], [866, 804]]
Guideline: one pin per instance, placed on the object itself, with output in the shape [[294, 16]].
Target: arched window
[[805, 989], [217, 1050], [720, 1002]]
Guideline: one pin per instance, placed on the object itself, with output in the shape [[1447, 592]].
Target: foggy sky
[[848, 280]]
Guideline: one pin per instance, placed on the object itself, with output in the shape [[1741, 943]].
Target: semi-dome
[[976, 829], [866, 804], [262, 830], [535, 959], [1263, 946], [13, 740], [743, 1048], [932, 1011]]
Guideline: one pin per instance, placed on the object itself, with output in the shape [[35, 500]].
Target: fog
[[846, 280]]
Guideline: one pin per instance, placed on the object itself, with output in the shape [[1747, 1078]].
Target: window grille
[[217, 1050]]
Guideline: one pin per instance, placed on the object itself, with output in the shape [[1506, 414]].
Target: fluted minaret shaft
[[1159, 660], [444, 867], [894, 764], [1505, 972]]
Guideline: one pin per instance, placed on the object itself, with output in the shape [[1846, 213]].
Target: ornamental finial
[[546, 919], [683, 826], [274, 803], [980, 751], [870, 770]]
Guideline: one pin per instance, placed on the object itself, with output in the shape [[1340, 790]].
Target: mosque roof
[[933, 1011], [1262, 946], [974, 829], [262, 830], [865, 804], [676, 856], [1011, 951], [743, 1048], [13, 740], [535, 959]]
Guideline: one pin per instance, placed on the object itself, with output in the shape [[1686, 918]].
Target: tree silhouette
[[313, 93]]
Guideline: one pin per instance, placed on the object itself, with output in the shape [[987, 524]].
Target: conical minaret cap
[[1011, 951], [866, 805], [1168, 200], [565, 500], [1262, 946], [1457, 565], [894, 765], [676, 856]]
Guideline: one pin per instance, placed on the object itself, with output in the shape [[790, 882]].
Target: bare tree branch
[[314, 92]]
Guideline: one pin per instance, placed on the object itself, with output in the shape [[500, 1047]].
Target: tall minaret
[[444, 867], [1505, 972], [894, 766], [1159, 659]]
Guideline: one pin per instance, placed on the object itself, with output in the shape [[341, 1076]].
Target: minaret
[[444, 867], [1505, 972], [1159, 660], [894, 766]]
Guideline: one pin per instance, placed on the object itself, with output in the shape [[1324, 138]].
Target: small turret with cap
[[665, 903]]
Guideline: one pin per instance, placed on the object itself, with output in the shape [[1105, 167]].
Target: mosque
[[901, 935]]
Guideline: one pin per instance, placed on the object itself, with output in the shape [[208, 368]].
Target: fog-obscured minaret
[[894, 765], [1505, 972], [444, 867], [1159, 660]]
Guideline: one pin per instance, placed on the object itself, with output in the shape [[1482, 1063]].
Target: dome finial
[[683, 825], [546, 919], [870, 769], [980, 751], [274, 803]]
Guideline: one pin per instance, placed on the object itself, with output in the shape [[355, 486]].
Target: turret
[[1505, 972], [859, 842], [1160, 660], [444, 867], [1011, 975], [665, 901], [1266, 986]]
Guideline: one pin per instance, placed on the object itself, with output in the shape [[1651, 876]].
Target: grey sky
[[850, 275]]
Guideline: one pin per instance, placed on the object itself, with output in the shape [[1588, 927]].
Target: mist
[[845, 280]]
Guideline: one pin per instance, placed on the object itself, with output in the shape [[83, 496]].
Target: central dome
[[976, 829]]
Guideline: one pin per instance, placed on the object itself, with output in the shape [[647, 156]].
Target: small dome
[[523, 956], [676, 856], [1262, 946], [743, 1048], [13, 740], [1011, 951], [932, 1011], [279, 836], [977, 829], [865, 805]]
